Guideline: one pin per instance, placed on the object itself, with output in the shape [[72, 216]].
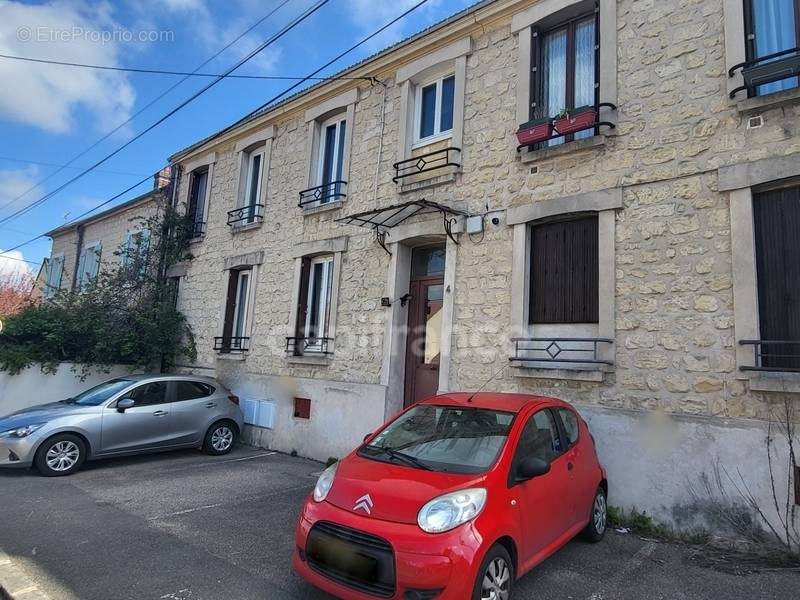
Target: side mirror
[[531, 467], [124, 404]]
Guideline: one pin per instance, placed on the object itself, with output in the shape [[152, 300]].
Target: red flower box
[[582, 118], [534, 132]]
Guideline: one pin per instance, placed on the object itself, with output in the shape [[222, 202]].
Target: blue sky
[[50, 113]]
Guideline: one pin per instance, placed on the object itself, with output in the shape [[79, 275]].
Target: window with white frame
[[330, 159], [89, 263], [235, 329], [250, 209], [54, 268], [433, 110], [135, 250], [314, 306], [196, 209]]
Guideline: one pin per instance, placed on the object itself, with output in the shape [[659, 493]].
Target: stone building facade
[[667, 186]]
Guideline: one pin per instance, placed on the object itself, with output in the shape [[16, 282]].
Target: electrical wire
[[141, 110], [164, 72]]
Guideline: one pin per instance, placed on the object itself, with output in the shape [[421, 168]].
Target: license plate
[[342, 557]]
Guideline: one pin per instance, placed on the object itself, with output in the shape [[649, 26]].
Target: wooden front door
[[424, 324]]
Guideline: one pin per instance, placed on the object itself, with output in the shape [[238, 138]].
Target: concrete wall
[[32, 386]]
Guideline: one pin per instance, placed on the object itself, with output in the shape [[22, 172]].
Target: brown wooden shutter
[[776, 223], [302, 296], [564, 272], [230, 308]]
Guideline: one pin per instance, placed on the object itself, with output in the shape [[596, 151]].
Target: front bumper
[[18, 452], [435, 567]]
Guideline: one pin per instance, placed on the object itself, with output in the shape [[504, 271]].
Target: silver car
[[129, 415]]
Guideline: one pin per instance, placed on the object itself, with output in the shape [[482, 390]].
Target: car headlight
[[451, 510], [325, 482], [22, 432]]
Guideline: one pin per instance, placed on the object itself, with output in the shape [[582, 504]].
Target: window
[[434, 110], [540, 438], [776, 221], [195, 212], [89, 263], [54, 268], [564, 271], [331, 158], [191, 390], [235, 329], [149, 394], [570, 422], [443, 438], [565, 71], [772, 26], [313, 315], [135, 250], [252, 192]]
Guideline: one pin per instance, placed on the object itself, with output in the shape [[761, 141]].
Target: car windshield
[[442, 438], [100, 393]]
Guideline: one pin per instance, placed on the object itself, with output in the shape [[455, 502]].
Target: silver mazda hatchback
[[127, 415]]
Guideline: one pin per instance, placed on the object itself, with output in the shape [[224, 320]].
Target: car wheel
[[219, 438], [495, 576], [62, 454], [598, 519]]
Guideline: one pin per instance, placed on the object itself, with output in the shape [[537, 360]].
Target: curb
[[15, 583]]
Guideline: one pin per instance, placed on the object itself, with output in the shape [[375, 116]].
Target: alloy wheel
[[222, 438], [62, 455], [600, 513], [496, 583]]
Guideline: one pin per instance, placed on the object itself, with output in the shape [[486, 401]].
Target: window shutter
[[230, 306], [82, 267], [126, 251], [302, 298], [95, 264], [564, 272]]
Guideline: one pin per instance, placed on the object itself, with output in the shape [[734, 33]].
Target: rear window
[[191, 390], [443, 438]]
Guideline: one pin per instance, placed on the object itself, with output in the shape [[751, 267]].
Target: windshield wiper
[[403, 457]]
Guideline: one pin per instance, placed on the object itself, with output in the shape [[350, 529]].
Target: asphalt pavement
[[185, 526]]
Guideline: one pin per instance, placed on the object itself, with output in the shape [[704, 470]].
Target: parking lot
[[184, 526]]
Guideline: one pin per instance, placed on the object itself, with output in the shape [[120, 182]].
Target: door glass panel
[[775, 28], [255, 178], [448, 88], [427, 111], [241, 304], [540, 438], [584, 68], [433, 323], [150, 393], [427, 262], [191, 390]]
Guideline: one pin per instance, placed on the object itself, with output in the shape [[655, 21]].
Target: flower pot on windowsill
[[576, 119], [535, 131]]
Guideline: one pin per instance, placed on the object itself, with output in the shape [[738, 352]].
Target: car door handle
[[210, 404], [160, 413], [570, 466]]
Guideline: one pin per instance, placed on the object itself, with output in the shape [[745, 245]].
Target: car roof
[[507, 402], [168, 376]]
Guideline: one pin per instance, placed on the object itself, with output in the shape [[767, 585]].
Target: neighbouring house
[[597, 200], [81, 249]]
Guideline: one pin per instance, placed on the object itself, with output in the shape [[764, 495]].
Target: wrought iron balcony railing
[[430, 161], [773, 355], [245, 215], [195, 229], [559, 350], [322, 194], [300, 346], [231, 345], [767, 69]]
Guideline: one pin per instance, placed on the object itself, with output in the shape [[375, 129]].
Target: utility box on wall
[[259, 412]]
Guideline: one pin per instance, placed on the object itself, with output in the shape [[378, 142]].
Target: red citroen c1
[[453, 500]]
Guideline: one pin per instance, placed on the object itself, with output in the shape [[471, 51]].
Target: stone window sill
[[248, 227], [239, 356], [775, 382], [547, 372], [320, 361], [197, 240], [428, 183], [322, 208], [768, 101], [562, 149]]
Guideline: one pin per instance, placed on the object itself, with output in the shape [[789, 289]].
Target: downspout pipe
[[78, 249]]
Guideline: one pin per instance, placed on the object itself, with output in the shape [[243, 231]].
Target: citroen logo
[[364, 503]]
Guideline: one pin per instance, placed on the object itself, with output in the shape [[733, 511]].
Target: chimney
[[162, 178]]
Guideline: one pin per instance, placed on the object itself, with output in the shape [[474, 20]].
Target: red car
[[453, 500]]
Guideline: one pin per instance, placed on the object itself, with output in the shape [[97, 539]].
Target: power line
[[148, 105], [30, 262], [164, 72], [63, 166], [363, 41]]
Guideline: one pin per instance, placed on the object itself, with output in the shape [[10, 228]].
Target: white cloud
[[14, 186], [12, 267], [49, 96]]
